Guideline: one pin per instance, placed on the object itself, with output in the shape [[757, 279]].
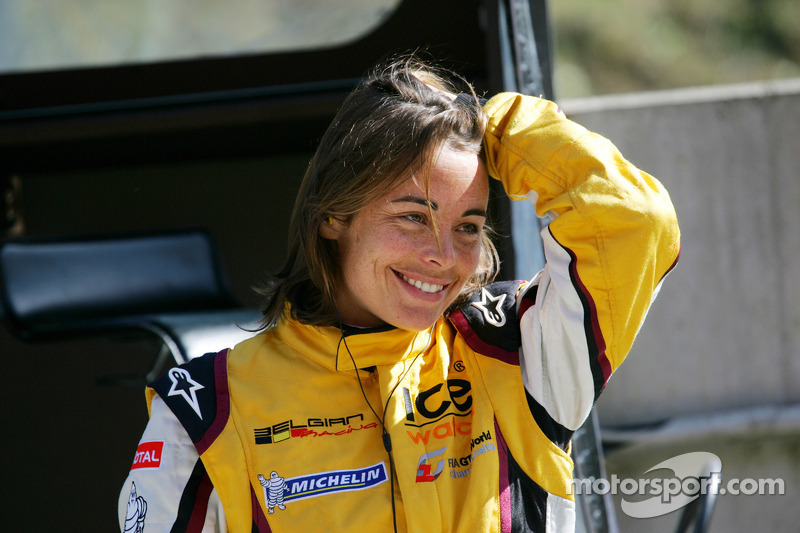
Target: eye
[[417, 218], [470, 228]]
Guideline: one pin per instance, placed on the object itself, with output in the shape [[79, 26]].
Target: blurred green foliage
[[616, 46]]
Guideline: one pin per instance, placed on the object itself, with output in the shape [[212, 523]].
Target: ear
[[329, 228]]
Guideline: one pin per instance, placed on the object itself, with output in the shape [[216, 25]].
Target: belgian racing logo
[[311, 427]]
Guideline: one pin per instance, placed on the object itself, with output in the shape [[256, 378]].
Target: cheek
[[470, 258], [391, 244], [367, 254]]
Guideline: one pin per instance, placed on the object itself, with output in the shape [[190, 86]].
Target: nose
[[441, 250]]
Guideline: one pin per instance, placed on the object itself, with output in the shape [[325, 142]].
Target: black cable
[[387, 439]]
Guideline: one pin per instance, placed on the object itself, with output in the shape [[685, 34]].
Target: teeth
[[424, 287]]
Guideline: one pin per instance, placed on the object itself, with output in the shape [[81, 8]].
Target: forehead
[[452, 177]]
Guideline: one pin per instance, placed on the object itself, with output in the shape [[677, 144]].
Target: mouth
[[429, 288]]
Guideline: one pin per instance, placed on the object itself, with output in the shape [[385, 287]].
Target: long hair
[[391, 125]]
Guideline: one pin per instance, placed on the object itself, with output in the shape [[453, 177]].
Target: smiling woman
[[400, 135], [404, 259], [395, 386]]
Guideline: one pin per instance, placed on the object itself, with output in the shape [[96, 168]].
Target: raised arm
[[612, 239]]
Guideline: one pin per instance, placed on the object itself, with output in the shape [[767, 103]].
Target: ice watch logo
[[424, 468], [434, 403]]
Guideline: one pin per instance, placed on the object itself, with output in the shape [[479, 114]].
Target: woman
[[397, 387]]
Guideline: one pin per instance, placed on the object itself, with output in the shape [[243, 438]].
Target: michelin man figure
[[136, 511], [274, 487]]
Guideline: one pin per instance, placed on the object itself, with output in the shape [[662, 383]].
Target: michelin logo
[[135, 512], [279, 491], [274, 489]]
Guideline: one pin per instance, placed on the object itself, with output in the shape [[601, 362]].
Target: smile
[[421, 285]]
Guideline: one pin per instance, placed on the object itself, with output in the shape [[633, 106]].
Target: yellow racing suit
[[462, 427]]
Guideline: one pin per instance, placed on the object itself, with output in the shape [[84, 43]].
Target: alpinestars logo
[[492, 307], [183, 384], [424, 468]]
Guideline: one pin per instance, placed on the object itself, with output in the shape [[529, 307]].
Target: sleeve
[[168, 488], [612, 239]]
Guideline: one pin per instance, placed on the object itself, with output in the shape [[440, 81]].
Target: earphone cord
[[387, 441]]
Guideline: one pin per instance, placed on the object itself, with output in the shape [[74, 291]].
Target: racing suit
[[286, 431]]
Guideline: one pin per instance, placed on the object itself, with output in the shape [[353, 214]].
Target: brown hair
[[391, 125]]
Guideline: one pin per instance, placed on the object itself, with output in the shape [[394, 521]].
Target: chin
[[416, 328], [417, 323], [416, 319]]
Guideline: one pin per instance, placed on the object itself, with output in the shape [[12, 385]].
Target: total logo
[[148, 455]]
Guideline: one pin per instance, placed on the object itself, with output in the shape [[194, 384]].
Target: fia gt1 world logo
[[426, 471]]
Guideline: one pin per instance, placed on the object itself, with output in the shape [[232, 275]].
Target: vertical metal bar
[[523, 51], [527, 69]]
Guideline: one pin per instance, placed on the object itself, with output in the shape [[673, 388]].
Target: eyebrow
[[434, 206], [476, 212]]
